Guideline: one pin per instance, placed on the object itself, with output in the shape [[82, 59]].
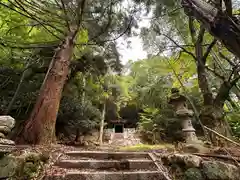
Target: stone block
[[7, 121], [108, 155], [107, 164], [217, 170], [136, 175]]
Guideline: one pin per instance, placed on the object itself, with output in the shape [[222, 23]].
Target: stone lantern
[[184, 114]]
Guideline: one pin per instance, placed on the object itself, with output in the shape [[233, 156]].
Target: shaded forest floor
[[227, 155], [51, 154]]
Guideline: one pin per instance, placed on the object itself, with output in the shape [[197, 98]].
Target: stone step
[[104, 175], [107, 164], [108, 155]]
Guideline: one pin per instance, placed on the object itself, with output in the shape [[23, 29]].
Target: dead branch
[[160, 169], [183, 49], [233, 158], [220, 135], [218, 156], [209, 48]]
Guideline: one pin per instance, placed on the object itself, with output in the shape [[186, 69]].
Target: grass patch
[[147, 147]]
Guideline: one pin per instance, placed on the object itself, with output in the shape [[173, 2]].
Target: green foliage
[[233, 119], [25, 99], [149, 84], [74, 115], [29, 26], [158, 125], [150, 88]]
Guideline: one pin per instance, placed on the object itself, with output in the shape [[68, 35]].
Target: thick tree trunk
[[204, 84], [40, 127], [201, 70], [82, 113], [212, 114], [213, 118], [219, 24], [102, 125]]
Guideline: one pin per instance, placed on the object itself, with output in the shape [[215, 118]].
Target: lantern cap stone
[[176, 96], [184, 112]]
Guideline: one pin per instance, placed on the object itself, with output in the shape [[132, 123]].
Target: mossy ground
[[147, 147]]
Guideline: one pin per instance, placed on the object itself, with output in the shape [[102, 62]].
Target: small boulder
[[29, 165], [32, 157], [216, 170], [187, 160], [6, 142], [26, 166], [8, 165], [193, 174], [195, 148], [2, 135], [192, 161], [5, 129], [7, 121], [6, 125], [176, 158]]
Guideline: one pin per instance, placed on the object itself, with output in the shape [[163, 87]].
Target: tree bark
[[219, 24], [40, 127], [102, 124], [82, 113], [77, 135], [212, 114], [202, 75]]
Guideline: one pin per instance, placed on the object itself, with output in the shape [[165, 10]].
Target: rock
[[92, 136], [192, 161], [6, 142], [32, 157], [5, 129], [188, 160], [6, 124], [7, 121], [25, 166], [194, 148], [193, 174], [30, 170], [85, 143], [44, 157], [2, 135], [176, 158], [8, 165], [216, 170]]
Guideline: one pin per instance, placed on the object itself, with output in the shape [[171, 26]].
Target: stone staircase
[[97, 165]]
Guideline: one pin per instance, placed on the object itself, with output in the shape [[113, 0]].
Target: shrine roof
[[118, 121]]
